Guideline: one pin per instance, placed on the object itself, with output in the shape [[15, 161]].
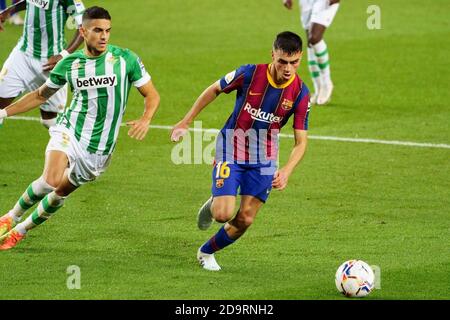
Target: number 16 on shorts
[[222, 172]]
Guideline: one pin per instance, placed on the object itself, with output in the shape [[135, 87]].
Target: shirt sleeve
[[57, 78], [137, 73], [76, 9], [233, 80], [302, 109]]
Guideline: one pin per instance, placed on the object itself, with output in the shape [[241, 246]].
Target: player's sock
[[219, 241], [46, 208], [35, 192], [314, 70], [321, 51]]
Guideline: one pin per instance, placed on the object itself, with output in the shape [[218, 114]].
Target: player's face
[[96, 35], [285, 65]]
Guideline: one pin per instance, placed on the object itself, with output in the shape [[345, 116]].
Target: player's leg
[[305, 17], [319, 48], [255, 185], [220, 209], [221, 205], [34, 193], [255, 189], [16, 19], [59, 149], [48, 119], [314, 71], [53, 106], [322, 15], [229, 232], [43, 190], [51, 203], [248, 209], [11, 79], [4, 102], [56, 163]]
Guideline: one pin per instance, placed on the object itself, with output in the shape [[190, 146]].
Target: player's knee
[[53, 180], [222, 214], [244, 220], [314, 38], [222, 211], [41, 186]]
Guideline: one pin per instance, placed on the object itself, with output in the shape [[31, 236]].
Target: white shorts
[[84, 166], [22, 73], [317, 11]]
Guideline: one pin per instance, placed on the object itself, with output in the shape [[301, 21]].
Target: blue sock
[[219, 241], [2, 4]]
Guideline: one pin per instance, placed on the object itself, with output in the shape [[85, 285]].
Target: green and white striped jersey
[[43, 30], [100, 88]]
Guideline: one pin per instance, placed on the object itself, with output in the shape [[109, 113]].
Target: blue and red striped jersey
[[262, 108]]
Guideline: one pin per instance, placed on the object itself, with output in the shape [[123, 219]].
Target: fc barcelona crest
[[287, 104], [219, 183]]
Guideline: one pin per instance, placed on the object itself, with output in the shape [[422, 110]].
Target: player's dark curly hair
[[96, 13], [288, 42]]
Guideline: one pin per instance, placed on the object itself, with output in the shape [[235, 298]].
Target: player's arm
[[140, 127], [281, 177], [5, 14], [207, 96], [76, 10], [73, 45], [28, 101]]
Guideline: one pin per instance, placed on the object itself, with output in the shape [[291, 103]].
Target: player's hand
[[280, 180], [288, 4], [51, 63], [178, 131], [138, 128]]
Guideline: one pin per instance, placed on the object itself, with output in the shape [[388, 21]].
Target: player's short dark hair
[[288, 42], [96, 13]]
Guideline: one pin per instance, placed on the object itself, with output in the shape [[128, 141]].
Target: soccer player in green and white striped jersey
[[84, 138], [317, 16], [41, 46]]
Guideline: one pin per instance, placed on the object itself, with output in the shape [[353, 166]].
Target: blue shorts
[[251, 180]]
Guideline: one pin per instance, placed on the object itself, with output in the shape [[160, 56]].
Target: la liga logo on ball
[[355, 278]]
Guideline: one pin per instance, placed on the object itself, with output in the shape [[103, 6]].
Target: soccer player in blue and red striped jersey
[[247, 149]]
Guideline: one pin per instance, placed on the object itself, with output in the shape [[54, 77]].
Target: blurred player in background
[[14, 19], [246, 149], [316, 16], [82, 142], [41, 46]]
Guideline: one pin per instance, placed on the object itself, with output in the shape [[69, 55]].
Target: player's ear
[[83, 31]]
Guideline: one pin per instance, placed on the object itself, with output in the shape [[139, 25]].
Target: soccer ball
[[355, 278]]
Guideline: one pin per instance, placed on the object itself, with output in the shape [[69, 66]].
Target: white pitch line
[[313, 137]]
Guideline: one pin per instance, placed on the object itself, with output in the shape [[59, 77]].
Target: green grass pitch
[[133, 232]]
